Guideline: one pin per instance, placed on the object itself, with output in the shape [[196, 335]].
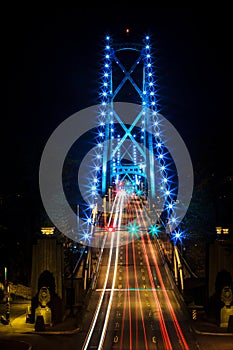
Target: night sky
[[53, 61]]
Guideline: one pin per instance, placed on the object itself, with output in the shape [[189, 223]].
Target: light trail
[[140, 303], [135, 283], [126, 289], [123, 320], [119, 205], [125, 302], [162, 324], [174, 318], [133, 338], [128, 293], [100, 301]]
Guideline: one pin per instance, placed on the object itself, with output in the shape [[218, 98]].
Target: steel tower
[[130, 150], [128, 75]]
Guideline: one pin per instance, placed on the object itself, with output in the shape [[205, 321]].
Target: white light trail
[[96, 315], [119, 204]]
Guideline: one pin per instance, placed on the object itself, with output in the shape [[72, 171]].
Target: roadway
[[138, 306]]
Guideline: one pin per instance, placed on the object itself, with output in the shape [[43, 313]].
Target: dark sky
[[53, 60]]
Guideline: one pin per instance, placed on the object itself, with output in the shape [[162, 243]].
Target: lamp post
[[7, 294], [72, 285], [105, 209], [109, 197], [78, 219]]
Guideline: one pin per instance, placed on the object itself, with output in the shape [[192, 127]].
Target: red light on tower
[[127, 30]]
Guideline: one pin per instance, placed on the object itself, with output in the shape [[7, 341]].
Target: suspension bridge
[[132, 211]]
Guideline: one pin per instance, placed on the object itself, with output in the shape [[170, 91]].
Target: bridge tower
[[127, 76], [131, 148]]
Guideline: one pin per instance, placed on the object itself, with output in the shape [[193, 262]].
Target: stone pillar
[[47, 254], [47, 271], [220, 258]]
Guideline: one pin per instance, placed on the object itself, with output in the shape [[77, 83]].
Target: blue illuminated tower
[[133, 154], [127, 76]]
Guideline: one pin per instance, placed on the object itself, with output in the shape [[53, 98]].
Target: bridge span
[[139, 304]]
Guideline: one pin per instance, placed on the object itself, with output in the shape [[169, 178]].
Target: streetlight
[[225, 231], [105, 209], [7, 294], [78, 218], [219, 230]]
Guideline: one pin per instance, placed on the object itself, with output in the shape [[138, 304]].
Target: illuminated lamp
[[47, 230], [225, 231]]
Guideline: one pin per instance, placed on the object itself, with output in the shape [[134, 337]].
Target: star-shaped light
[[133, 229], [154, 230], [139, 192], [178, 235]]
